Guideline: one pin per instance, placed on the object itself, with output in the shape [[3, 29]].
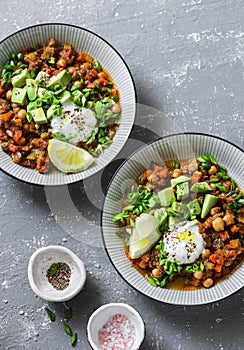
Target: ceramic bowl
[[103, 314], [81, 40], [40, 262], [179, 146]]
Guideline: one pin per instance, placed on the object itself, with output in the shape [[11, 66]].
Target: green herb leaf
[[68, 329], [53, 270], [68, 314], [73, 339], [50, 314], [116, 98]]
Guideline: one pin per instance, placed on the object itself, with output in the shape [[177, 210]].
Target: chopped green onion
[[97, 66], [20, 57]]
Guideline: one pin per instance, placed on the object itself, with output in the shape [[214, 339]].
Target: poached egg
[[75, 123], [184, 242]]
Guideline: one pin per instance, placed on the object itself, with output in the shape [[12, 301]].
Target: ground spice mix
[[58, 275]]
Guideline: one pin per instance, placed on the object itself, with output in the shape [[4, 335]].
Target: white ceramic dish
[[81, 40], [102, 315], [182, 146], [40, 262]]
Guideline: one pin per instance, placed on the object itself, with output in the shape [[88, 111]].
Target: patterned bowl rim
[[127, 68], [172, 302]]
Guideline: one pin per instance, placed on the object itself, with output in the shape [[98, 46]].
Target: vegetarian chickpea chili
[[54, 92], [182, 226]]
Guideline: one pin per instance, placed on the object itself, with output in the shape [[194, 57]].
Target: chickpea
[[102, 75], [16, 109], [206, 254], [157, 273], [86, 65], [218, 224], [116, 108], [176, 173], [208, 282], [70, 70], [9, 94], [198, 274], [213, 170], [75, 75], [209, 265], [44, 135], [9, 133], [229, 219], [22, 114], [15, 105], [22, 141], [61, 63]]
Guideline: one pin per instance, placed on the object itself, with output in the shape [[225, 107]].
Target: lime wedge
[[68, 158], [144, 235]]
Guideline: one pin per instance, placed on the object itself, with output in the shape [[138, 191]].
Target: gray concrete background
[[186, 57]]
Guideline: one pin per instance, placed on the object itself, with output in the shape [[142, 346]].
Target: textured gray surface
[[186, 57]]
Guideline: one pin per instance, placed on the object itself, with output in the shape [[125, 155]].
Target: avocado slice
[[182, 191], [18, 96], [165, 196], [194, 208], [179, 180], [174, 220], [180, 209], [20, 79], [208, 203], [42, 78], [65, 97], [32, 86], [63, 78], [38, 115], [201, 187], [161, 215]]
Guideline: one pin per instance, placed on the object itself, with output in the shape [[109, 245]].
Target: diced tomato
[[227, 185], [196, 178], [6, 116], [102, 81], [224, 235], [234, 229], [56, 72], [218, 257], [17, 135], [13, 148], [114, 92], [2, 91], [80, 58], [218, 267], [196, 282], [234, 244]]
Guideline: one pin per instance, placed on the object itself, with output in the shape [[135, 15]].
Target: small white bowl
[[102, 315], [40, 262]]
